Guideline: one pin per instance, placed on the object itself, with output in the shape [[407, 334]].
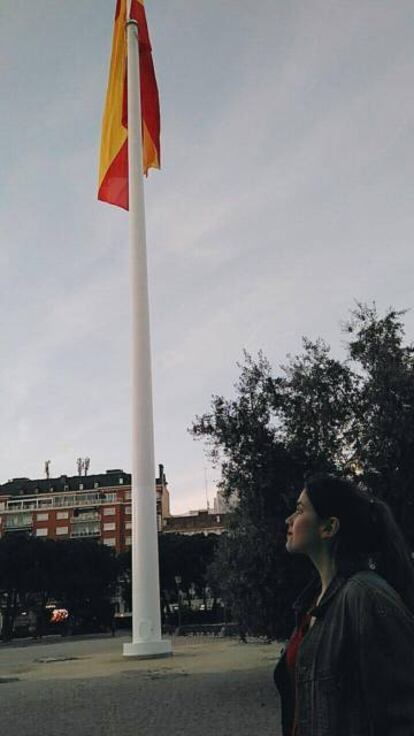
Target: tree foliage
[[186, 557], [183, 564], [81, 575], [353, 416]]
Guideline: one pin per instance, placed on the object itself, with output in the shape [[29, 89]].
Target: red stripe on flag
[[150, 109], [114, 187]]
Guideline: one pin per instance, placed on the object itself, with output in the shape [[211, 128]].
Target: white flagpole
[[146, 616]]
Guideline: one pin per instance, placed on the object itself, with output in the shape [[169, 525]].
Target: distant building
[[80, 506], [196, 522]]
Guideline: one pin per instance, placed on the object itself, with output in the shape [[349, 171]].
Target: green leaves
[[77, 573], [353, 416], [186, 556]]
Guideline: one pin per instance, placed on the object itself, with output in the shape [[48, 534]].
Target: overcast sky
[[286, 192]]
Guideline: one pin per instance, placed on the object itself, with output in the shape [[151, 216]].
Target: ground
[[208, 687]]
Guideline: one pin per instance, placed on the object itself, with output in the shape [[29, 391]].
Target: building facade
[[90, 506], [196, 522]]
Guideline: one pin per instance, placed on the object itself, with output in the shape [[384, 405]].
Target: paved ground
[[209, 687]]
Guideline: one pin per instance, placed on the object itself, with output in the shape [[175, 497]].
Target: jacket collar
[[307, 597]]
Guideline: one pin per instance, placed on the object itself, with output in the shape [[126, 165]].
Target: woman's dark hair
[[368, 535]]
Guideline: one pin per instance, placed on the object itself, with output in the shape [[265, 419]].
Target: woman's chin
[[289, 545]]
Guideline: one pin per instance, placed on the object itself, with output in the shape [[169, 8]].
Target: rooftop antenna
[[47, 465], [86, 464], [80, 464]]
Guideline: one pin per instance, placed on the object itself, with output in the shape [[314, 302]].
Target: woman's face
[[303, 528]]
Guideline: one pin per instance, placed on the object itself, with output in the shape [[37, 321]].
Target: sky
[[286, 193]]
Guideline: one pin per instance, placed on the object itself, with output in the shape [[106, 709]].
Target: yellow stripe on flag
[[113, 168]]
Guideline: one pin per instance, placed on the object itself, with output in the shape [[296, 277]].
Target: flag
[[113, 169]]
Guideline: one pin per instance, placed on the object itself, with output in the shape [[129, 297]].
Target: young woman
[[348, 669]]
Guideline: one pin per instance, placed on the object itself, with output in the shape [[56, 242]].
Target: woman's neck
[[326, 567]]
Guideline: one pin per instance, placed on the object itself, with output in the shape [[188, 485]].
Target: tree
[[16, 567], [180, 555], [383, 426], [317, 400], [186, 557], [88, 574], [124, 562], [244, 435], [354, 417], [27, 575], [81, 574]]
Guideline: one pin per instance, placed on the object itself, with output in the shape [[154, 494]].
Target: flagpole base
[[148, 649]]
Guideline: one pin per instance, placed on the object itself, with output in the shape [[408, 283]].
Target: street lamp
[[178, 579]]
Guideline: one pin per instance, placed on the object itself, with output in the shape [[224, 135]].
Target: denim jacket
[[355, 666]]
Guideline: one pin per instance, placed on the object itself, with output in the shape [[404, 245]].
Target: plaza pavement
[[84, 686]]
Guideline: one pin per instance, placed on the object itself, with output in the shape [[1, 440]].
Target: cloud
[[285, 193]]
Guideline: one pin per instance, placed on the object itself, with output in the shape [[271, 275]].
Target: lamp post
[[177, 582]]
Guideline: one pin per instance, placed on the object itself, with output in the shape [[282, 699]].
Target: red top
[[291, 657]]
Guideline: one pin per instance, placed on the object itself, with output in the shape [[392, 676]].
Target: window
[[127, 509], [81, 516], [128, 525], [121, 480], [128, 496], [29, 504], [86, 499], [128, 541], [41, 532], [18, 521], [110, 542], [42, 517], [62, 515], [96, 484], [81, 486], [88, 529], [60, 530], [65, 501], [109, 511], [110, 497], [109, 527]]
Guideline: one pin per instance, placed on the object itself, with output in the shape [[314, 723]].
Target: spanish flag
[[113, 169]]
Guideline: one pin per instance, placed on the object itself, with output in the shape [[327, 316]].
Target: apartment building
[[80, 506], [202, 521]]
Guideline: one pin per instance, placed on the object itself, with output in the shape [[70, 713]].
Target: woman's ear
[[330, 527]]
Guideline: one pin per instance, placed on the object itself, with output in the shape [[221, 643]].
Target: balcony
[[84, 529], [18, 522], [83, 516], [59, 500], [82, 533]]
